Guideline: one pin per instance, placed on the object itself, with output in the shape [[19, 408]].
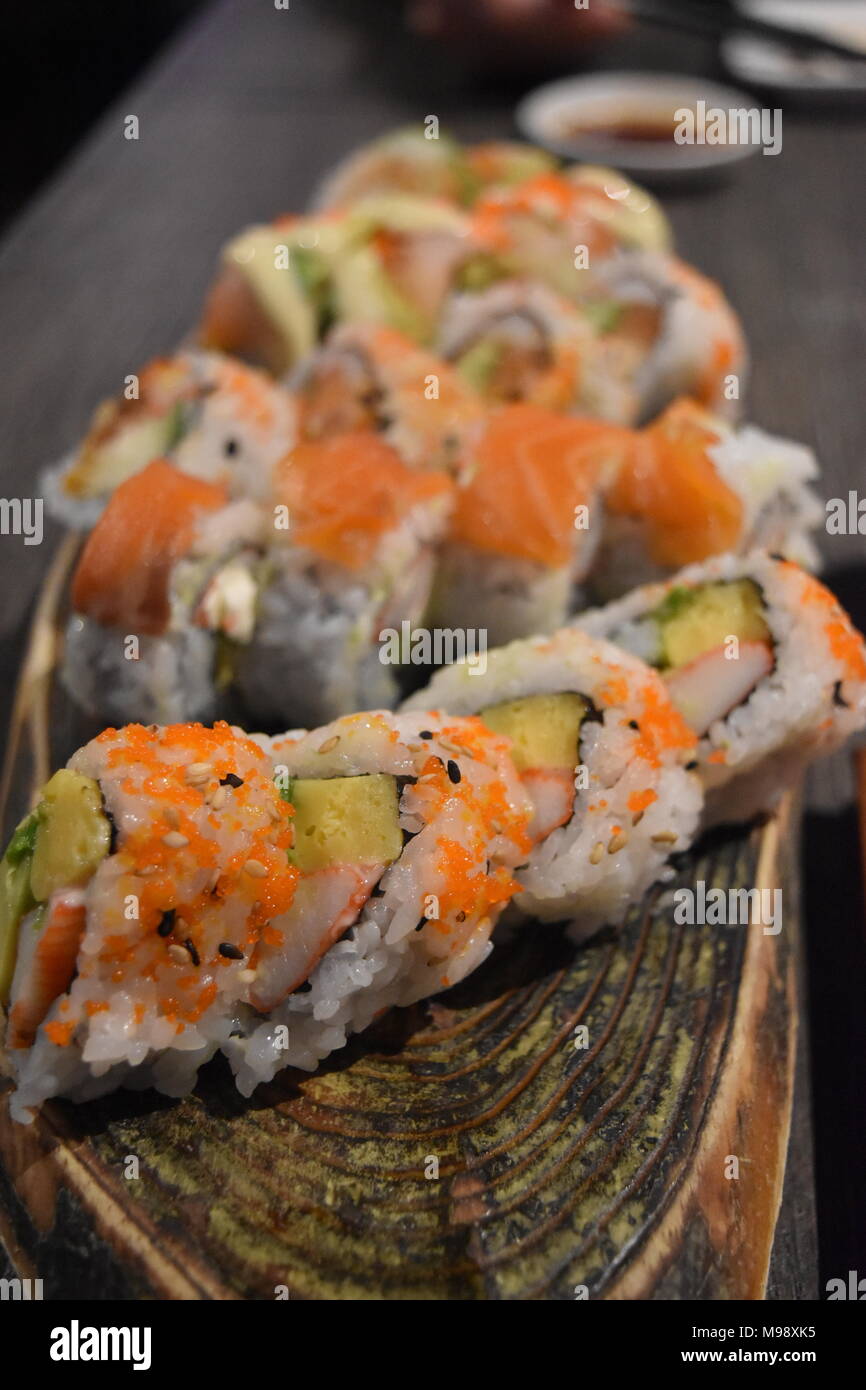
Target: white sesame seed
[[256, 869], [329, 744], [247, 976], [199, 772], [617, 842], [218, 800], [179, 954], [596, 852], [175, 840], [664, 837], [170, 815]]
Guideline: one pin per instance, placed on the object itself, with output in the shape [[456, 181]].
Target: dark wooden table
[[108, 266]]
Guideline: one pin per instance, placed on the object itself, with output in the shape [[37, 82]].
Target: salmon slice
[[532, 468], [670, 483], [344, 493], [46, 965], [122, 578]]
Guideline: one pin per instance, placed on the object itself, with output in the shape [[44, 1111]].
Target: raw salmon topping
[[123, 574], [533, 467], [344, 493], [670, 483]]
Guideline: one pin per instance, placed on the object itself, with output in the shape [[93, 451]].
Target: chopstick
[[714, 21]]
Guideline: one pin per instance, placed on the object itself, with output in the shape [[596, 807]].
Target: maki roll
[[164, 570], [503, 163], [408, 160], [356, 558], [143, 883], [401, 257], [517, 340], [167, 893], [216, 418], [669, 331], [272, 298], [563, 230], [762, 662], [414, 160], [367, 377], [406, 830], [525, 526], [692, 487], [602, 752], [636, 217]]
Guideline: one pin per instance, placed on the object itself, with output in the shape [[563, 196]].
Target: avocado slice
[[280, 291], [16, 898], [479, 363], [544, 729], [363, 293], [345, 820], [694, 621], [479, 273], [106, 466], [73, 834]]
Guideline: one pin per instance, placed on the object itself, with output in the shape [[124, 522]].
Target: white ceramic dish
[[560, 116]]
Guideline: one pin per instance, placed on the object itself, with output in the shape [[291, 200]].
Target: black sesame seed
[[166, 926], [453, 771], [690, 767], [230, 952], [838, 697], [633, 724], [774, 555], [231, 447], [231, 779], [304, 987], [193, 953], [422, 924], [425, 733]]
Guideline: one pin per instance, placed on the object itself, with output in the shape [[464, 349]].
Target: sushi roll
[[763, 664], [518, 340], [408, 160], [165, 571], [636, 217], [171, 896], [562, 230], [503, 163], [356, 558], [669, 331], [406, 831], [602, 752], [526, 524], [272, 298], [692, 487], [367, 377], [401, 257], [216, 418], [143, 883]]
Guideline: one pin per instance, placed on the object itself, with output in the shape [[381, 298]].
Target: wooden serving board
[[472, 1147]]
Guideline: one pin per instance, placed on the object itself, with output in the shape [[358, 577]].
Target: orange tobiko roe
[[533, 466], [670, 483], [345, 492], [123, 574]]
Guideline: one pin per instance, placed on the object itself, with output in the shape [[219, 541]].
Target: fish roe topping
[[189, 890], [845, 642]]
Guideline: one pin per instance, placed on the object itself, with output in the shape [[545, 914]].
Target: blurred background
[[244, 103]]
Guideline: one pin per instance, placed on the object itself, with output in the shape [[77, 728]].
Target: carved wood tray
[[473, 1147]]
